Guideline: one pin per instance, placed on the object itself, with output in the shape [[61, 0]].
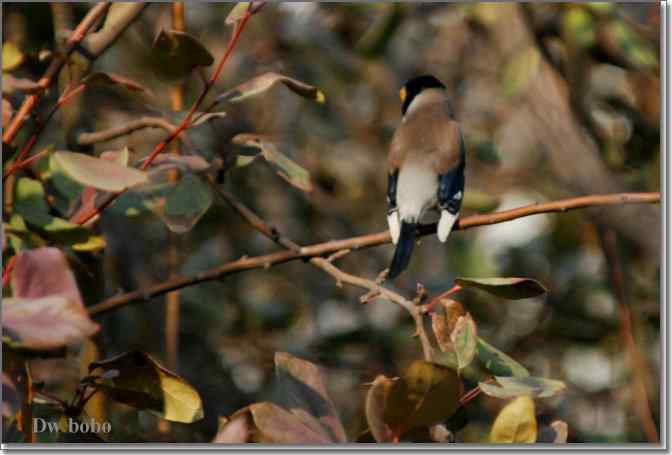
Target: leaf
[[511, 387], [202, 118], [265, 82], [186, 203], [142, 382], [499, 363], [236, 430], [376, 400], [507, 288], [12, 57], [98, 173], [44, 272], [114, 79], [45, 323], [192, 163], [279, 426], [561, 431], [578, 27], [20, 237], [445, 315], [238, 11], [285, 167], [463, 338], [520, 71], [516, 423], [425, 394], [304, 393], [175, 54], [117, 156], [93, 243]]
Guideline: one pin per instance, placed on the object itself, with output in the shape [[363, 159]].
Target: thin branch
[[640, 400], [54, 68], [123, 130], [96, 43], [356, 243]]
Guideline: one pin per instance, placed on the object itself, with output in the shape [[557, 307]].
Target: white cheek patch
[[394, 225], [445, 225]]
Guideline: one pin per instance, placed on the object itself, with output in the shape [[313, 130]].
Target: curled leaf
[[445, 315], [507, 288], [284, 166], [516, 423], [142, 382], [98, 173], [265, 82], [376, 400], [511, 387]]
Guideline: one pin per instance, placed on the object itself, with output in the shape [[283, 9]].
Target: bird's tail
[[402, 255]]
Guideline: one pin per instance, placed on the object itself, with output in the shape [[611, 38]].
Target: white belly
[[416, 191]]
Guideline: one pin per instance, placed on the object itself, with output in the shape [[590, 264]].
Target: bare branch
[[361, 242], [122, 130]]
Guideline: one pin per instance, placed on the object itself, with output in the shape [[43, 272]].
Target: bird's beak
[[402, 94]]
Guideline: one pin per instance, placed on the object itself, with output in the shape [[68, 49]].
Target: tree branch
[[54, 68], [361, 242], [122, 130]]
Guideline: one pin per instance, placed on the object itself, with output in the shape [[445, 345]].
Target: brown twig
[[640, 400], [54, 68], [361, 242], [125, 129]]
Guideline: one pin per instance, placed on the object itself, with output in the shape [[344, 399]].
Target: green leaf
[[186, 203], [578, 26], [499, 363], [376, 401], [175, 54], [520, 71], [464, 340], [507, 288], [516, 423], [424, 395], [511, 387], [99, 173], [138, 380], [284, 166], [265, 82]]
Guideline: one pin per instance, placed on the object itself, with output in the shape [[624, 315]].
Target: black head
[[414, 87]]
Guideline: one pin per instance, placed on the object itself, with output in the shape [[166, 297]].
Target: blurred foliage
[[555, 100]]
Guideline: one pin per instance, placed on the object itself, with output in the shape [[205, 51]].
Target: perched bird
[[425, 166]]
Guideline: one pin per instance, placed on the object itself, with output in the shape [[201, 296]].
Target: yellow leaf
[[516, 423], [12, 57]]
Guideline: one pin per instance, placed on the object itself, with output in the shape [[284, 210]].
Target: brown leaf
[[175, 54], [445, 315], [304, 392], [279, 426], [376, 400], [508, 288], [425, 394], [265, 82], [236, 430]]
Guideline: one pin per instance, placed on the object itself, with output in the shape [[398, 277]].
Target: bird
[[425, 166]]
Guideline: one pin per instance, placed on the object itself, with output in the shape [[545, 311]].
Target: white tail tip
[[394, 225], [445, 225]]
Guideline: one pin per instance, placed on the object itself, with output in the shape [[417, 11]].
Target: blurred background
[[556, 100]]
